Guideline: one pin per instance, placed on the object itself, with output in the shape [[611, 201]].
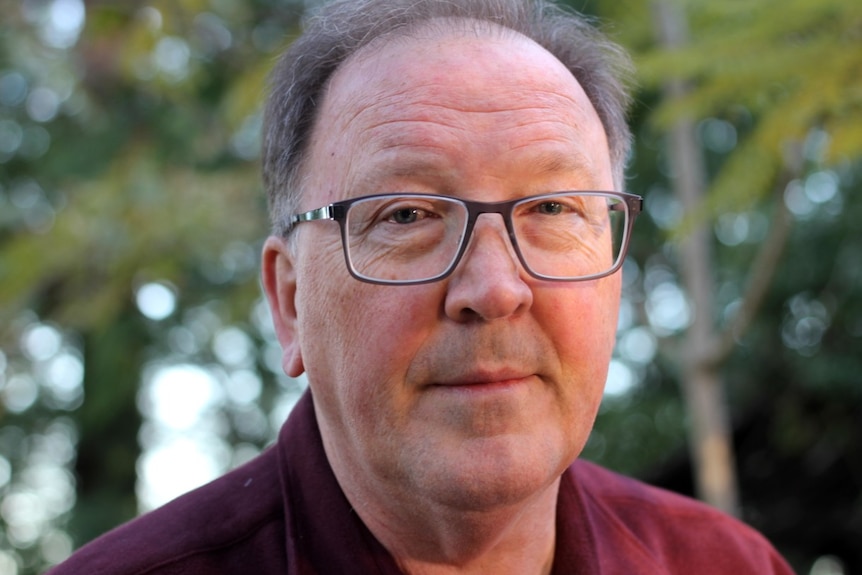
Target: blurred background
[[137, 359]]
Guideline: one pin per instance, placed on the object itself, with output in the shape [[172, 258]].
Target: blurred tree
[[131, 216], [128, 145], [766, 98]]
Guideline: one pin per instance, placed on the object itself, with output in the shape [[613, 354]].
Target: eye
[[406, 215], [550, 208], [410, 213], [557, 205]]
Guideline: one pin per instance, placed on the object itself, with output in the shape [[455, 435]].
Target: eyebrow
[[417, 164], [552, 162], [434, 166]]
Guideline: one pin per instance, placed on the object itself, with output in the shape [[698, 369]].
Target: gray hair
[[343, 27]]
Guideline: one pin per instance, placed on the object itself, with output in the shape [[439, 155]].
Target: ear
[[278, 273]]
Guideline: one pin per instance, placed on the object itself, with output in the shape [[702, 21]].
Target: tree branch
[[762, 272]]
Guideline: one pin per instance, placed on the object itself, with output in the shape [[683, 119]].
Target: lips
[[482, 355], [486, 378]]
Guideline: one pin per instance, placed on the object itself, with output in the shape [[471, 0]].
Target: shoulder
[[670, 529], [236, 518]]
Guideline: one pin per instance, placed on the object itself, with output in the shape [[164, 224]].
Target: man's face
[[480, 389]]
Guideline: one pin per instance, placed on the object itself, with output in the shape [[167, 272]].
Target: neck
[[434, 539], [452, 522]]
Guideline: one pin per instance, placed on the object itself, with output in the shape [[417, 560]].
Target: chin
[[483, 478]]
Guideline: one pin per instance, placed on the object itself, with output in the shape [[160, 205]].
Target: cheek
[[358, 339], [582, 324], [584, 320]]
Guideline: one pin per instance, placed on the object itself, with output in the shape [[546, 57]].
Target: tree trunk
[[710, 436], [109, 424]]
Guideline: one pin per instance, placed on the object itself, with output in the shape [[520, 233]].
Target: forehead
[[409, 101], [455, 64]]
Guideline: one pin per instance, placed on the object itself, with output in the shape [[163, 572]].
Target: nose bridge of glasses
[[478, 229]]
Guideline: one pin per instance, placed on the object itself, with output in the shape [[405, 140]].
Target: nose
[[489, 282]]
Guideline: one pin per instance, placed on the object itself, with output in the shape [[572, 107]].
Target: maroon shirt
[[284, 513]]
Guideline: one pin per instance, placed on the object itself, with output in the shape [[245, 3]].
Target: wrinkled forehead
[[448, 85], [423, 59], [374, 59]]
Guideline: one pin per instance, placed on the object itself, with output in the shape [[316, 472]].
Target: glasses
[[403, 239]]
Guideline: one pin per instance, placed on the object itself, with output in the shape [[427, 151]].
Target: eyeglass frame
[[337, 211]]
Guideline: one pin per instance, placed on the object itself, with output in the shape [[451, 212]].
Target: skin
[[449, 410]]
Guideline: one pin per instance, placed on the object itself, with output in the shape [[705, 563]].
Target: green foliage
[[781, 80], [792, 73], [128, 158]]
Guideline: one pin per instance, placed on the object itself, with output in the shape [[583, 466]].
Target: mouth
[[486, 381]]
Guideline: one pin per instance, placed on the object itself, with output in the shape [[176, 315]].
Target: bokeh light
[[156, 300]]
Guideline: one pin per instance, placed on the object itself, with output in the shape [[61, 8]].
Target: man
[[444, 181]]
